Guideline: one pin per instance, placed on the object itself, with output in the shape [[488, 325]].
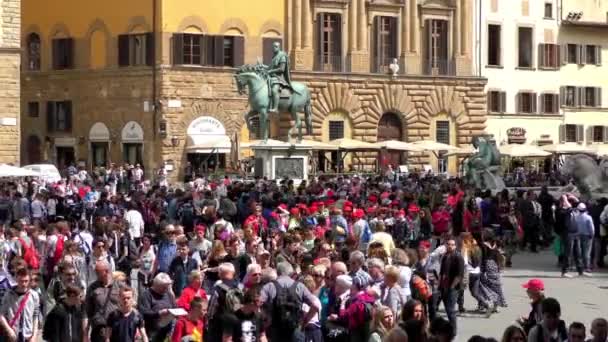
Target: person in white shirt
[[136, 223], [38, 209], [51, 208], [137, 174]]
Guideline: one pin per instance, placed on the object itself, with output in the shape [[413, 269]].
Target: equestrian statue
[[482, 169], [271, 90]]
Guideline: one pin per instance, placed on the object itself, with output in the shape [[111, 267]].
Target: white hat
[[581, 207]]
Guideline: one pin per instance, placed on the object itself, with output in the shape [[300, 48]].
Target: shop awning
[[566, 148], [353, 145], [519, 150], [207, 144], [396, 145]]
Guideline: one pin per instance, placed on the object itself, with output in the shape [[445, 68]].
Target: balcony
[[439, 67], [382, 66], [329, 63]]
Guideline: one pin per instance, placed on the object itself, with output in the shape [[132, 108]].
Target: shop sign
[[516, 135], [206, 125]]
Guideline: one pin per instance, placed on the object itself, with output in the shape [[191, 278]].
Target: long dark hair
[[510, 331]]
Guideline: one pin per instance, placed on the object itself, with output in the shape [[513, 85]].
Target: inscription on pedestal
[[290, 168]]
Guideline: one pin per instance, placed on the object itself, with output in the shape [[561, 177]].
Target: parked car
[[48, 172]]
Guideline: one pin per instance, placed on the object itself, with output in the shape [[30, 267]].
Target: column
[[414, 27], [362, 43], [405, 32], [352, 33], [458, 28], [466, 31], [307, 24], [297, 20]]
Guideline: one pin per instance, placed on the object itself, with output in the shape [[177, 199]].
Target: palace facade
[[153, 81], [10, 62]]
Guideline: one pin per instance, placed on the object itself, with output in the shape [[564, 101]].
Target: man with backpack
[[283, 300], [226, 298]]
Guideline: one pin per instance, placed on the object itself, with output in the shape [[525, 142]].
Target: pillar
[[405, 32], [297, 20], [362, 41], [458, 28], [306, 25], [352, 34], [414, 27]]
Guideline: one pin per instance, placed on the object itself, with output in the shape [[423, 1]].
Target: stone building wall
[[418, 101], [10, 60]]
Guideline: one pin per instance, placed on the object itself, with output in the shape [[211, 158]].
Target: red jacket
[[185, 327], [472, 221], [255, 222], [188, 294]]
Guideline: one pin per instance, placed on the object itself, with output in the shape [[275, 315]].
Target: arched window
[[33, 51]]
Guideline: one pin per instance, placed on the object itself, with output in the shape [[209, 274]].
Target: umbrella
[[462, 151], [601, 150], [566, 148], [519, 150], [13, 171], [352, 145], [397, 145], [316, 145], [433, 146]]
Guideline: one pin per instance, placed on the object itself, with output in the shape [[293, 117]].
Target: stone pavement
[[582, 299]]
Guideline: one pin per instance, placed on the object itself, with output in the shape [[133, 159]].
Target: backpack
[[287, 308], [30, 254], [229, 301], [421, 290]]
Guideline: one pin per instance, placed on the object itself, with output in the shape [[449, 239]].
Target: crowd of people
[[345, 258]]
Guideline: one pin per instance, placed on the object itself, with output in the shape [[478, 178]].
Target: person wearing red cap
[[535, 289], [294, 218]]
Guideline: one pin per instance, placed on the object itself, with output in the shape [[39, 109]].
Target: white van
[[48, 172]]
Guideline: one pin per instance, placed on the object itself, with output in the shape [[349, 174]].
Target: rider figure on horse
[[278, 71]]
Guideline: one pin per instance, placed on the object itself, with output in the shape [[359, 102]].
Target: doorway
[[204, 163], [133, 153], [99, 154], [65, 156], [390, 128]]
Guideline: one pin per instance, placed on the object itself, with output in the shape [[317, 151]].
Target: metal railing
[[382, 65], [330, 63], [439, 67]]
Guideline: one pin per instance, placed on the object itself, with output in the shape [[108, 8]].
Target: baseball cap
[[581, 207], [534, 284]]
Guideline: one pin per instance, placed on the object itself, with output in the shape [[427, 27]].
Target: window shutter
[[338, 38], [580, 96], [541, 102], [534, 101], [69, 51], [393, 35], [541, 56], [503, 101], [562, 94], [209, 50], [321, 40], [598, 97], [581, 54], [50, 114], [218, 50], [68, 115], [556, 103], [590, 130], [598, 55], [489, 101], [150, 49], [123, 50], [605, 135], [562, 134], [55, 52], [238, 52], [376, 41], [178, 48], [518, 102], [580, 133], [557, 55], [564, 54]]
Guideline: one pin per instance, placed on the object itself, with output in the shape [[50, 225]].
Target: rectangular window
[[136, 49], [267, 49], [591, 96], [494, 45], [548, 56], [548, 10], [571, 133], [496, 101], [329, 44], [593, 54], [525, 45], [336, 130], [573, 54], [550, 103], [63, 53], [569, 96], [443, 132], [385, 42], [192, 49], [33, 109], [59, 116], [438, 62], [598, 134], [526, 103]]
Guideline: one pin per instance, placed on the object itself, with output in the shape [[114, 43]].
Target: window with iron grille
[[442, 133], [571, 135], [336, 130], [598, 134]]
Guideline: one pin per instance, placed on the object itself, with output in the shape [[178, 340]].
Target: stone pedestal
[[279, 160]]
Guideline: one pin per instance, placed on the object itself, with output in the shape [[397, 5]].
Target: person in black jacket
[[450, 280], [66, 321], [535, 289], [181, 266]]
